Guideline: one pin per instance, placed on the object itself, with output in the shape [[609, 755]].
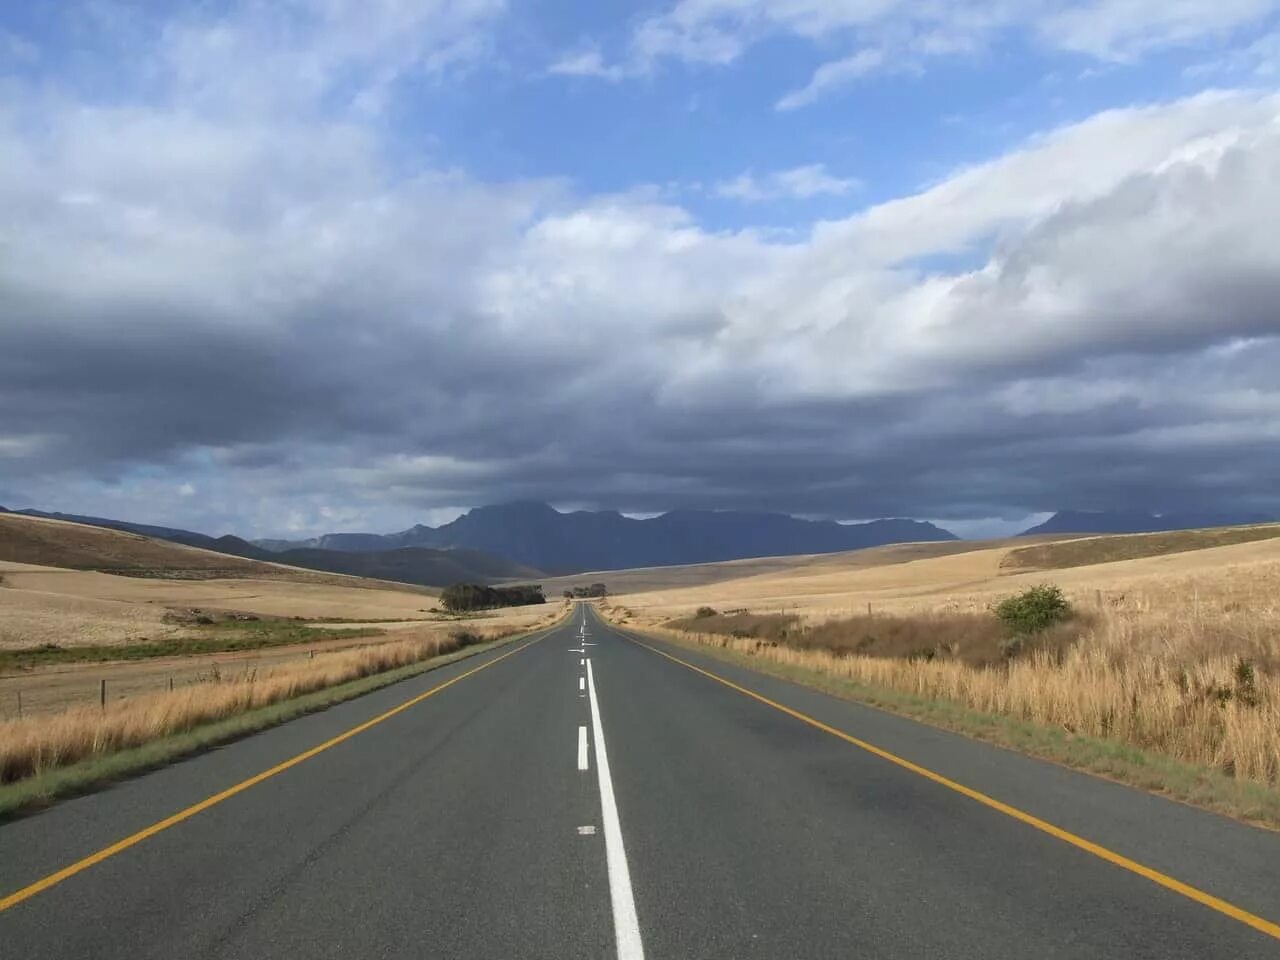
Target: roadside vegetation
[[1040, 620], [1180, 677], [35, 747]]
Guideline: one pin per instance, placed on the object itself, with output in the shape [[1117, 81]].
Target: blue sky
[[288, 267]]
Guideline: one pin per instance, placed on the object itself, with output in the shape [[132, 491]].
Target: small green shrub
[[703, 612], [1033, 610]]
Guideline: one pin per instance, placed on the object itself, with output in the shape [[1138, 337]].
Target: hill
[[419, 566], [1087, 551], [82, 544], [78, 546], [539, 536], [1132, 521]]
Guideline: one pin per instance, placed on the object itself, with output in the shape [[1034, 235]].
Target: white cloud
[[798, 183], [833, 74], [586, 63], [1125, 29], [902, 35]]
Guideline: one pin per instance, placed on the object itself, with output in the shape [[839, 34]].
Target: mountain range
[[527, 540], [540, 536]]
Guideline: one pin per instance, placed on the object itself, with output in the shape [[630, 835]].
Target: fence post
[[102, 693], [19, 704], [171, 684]]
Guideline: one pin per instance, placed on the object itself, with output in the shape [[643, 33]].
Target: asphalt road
[[563, 799]]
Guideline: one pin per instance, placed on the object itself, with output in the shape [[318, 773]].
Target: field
[[143, 615], [1175, 651], [133, 651]]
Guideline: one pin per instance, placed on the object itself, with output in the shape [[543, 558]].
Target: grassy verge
[[24, 795], [217, 638], [1189, 783]]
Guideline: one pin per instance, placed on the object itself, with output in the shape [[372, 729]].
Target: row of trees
[[478, 596], [591, 590]]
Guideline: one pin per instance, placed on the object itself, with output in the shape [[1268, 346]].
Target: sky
[[285, 267]]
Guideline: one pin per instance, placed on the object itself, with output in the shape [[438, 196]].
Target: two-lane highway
[[590, 794]]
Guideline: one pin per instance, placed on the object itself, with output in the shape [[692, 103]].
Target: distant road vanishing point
[[589, 793]]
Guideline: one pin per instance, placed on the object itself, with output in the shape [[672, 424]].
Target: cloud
[[833, 74], [798, 183], [1125, 29], [260, 303], [896, 35], [586, 63]]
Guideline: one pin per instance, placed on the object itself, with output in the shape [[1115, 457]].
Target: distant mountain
[[540, 536], [418, 565], [421, 565], [1087, 521]]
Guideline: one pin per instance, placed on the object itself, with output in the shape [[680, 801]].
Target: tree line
[[591, 590], [478, 596]]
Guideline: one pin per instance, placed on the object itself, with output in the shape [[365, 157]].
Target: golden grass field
[[73, 606], [34, 745], [1180, 652]]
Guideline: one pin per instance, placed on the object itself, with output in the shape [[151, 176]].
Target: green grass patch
[[1157, 773], [24, 795], [221, 637]]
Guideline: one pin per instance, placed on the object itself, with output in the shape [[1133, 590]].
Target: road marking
[[582, 662], [587, 831], [1110, 856], [582, 683], [582, 748], [53, 879], [626, 928]]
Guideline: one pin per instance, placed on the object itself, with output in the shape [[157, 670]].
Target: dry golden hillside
[[76, 546]]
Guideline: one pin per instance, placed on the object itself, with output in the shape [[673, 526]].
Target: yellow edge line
[[1123, 862], [53, 879]]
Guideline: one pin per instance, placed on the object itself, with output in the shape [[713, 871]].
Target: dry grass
[[78, 607], [1183, 672], [75, 546], [1177, 655], [1092, 550], [30, 747], [977, 639]]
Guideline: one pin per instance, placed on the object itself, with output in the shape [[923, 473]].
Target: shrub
[[1033, 610], [703, 612]]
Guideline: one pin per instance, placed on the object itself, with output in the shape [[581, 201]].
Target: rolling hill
[[90, 543]]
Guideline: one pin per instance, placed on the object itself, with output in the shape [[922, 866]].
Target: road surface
[[583, 794]]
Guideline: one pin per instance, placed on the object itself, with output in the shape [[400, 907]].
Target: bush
[[703, 612], [1033, 610]]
